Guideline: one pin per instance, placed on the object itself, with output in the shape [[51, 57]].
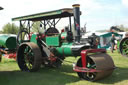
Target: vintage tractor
[[51, 47], [123, 46], [8, 45]]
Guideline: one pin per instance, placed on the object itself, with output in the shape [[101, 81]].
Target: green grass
[[10, 74]]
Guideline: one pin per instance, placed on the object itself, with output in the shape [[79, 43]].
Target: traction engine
[[50, 48]]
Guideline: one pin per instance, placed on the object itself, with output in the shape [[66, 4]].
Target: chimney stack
[[76, 11]]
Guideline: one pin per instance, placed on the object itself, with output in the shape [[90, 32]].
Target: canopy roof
[[66, 12], [101, 34]]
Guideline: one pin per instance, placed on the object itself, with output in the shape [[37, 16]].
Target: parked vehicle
[[51, 47]]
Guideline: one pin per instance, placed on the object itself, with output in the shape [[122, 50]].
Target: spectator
[[95, 40], [1, 52], [112, 42]]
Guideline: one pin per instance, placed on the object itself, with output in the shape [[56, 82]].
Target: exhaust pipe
[[76, 12]]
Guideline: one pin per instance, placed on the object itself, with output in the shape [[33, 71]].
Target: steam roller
[[123, 47], [50, 48]]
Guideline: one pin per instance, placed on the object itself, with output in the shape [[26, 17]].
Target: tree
[[37, 27], [10, 29]]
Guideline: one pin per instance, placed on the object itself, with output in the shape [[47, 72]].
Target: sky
[[97, 14]]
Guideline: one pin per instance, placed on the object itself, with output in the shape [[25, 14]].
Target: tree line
[[11, 28]]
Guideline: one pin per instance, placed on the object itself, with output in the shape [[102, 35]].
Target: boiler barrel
[[70, 49], [65, 49], [8, 41]]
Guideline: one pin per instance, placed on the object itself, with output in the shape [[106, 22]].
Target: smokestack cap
[[76, 5]]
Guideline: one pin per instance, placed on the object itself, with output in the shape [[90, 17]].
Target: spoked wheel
[[123, 47], [23, 36], [29, 57], [87, 75], [101, 62]]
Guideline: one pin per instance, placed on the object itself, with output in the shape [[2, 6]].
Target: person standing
[[95, 40], [2, 51], [112, 42]]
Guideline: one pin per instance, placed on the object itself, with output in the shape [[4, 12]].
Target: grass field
[[10, 74]]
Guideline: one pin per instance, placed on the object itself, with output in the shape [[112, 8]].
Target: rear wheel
[[29, 57]]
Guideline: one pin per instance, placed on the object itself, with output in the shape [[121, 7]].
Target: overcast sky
[[98, 14]]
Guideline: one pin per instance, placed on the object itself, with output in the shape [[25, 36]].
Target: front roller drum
[[98, 66], [123, 47], [29, 57]]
